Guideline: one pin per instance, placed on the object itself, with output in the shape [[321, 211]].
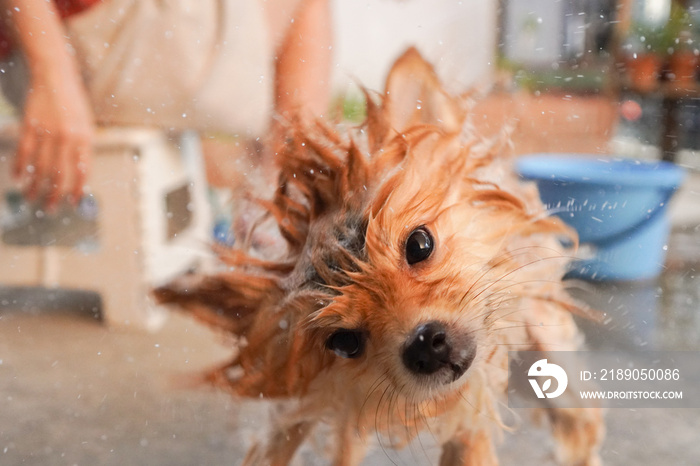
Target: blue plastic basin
[[617, 205]]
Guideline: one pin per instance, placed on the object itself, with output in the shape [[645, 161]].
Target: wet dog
[[414, 262]]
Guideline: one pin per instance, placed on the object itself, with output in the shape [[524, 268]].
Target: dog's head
[[405, 254]]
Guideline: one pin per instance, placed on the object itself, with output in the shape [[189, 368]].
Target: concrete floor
[[73, 391]]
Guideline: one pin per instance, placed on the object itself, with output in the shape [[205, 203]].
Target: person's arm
[[301, 34], [303, 59], [55, 144]]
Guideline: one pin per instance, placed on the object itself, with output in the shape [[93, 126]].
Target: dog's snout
[[427, 349]]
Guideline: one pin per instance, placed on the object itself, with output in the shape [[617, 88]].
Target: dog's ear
[[415, 96], [227, 301]]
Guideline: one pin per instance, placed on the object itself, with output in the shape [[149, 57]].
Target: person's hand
[[55, 143]]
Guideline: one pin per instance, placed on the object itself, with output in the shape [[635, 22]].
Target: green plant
[[663, 40], [350, 107]]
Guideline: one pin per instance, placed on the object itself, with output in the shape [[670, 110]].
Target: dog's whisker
[[419, 420], [506, 256], [377, 427], [400, 285], [519, 268], [393, 396], [500, 298], [526, 325], [370, 392], [527, 345], [496, 419]]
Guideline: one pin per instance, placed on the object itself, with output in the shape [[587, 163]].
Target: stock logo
[[551, 371]]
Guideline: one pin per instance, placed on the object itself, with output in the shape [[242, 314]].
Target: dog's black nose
[[427, 349]]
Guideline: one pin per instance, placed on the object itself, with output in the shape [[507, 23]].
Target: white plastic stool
[[153, 223]]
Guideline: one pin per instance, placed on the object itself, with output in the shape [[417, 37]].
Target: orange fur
[[346, 203]]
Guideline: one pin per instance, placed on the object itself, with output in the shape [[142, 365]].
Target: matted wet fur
[[405, 230]]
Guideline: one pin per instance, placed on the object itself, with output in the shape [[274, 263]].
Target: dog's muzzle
[[431, 349]]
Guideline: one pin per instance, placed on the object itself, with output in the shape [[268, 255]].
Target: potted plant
[[649, 48], [683, 61]]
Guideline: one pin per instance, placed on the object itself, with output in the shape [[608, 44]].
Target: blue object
[[222, 232], [617, 205]]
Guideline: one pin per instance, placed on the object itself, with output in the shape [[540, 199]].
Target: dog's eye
[[419, 246], [347, 343]]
